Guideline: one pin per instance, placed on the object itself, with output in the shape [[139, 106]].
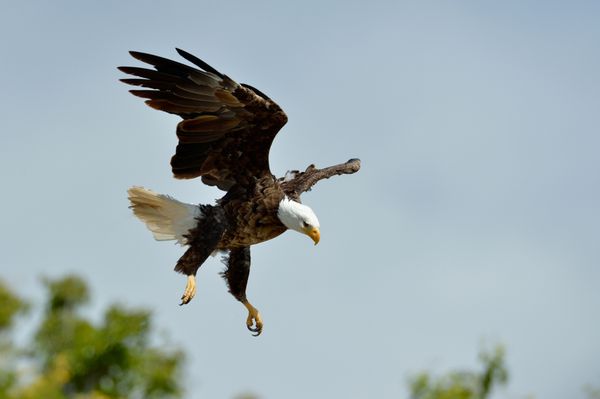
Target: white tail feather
[[165, 217]]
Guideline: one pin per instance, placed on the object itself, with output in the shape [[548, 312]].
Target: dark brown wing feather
[[294, 183], [227, 128]]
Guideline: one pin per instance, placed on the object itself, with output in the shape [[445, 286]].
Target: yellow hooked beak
[[314, 233]]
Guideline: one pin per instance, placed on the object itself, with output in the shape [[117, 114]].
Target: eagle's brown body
[[224, 138], [252, 214]]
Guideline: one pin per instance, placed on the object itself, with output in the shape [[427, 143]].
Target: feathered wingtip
[[165, 64], [198, 62]]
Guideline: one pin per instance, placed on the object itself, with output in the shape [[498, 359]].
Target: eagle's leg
[[254, 321], [203, 240], [190, 289], [189, 264], [236, 275]]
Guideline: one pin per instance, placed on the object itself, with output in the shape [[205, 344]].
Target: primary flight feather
[[225, 136]]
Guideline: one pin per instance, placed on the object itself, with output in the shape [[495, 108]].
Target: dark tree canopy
[[463, 384], [71, 357]]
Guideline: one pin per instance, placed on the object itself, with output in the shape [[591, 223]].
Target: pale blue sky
[[475, 217]]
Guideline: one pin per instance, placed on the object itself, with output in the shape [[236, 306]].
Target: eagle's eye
[[304, 224]]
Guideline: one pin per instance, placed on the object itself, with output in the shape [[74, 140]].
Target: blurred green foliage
[[71, 357], [592, 392], [10, 306], [463, 384]]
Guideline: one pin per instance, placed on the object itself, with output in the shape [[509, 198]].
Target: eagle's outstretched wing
[[294, 183], [227, 128]]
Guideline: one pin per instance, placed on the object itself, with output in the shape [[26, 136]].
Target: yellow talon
[[190, 290], [254, 322]]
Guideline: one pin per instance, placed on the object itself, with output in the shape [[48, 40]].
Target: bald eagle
[[224, 136]]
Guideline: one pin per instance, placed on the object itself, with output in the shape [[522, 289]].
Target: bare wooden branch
[[295, 182]]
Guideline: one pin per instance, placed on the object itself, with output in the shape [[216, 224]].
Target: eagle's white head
[[299, 217]]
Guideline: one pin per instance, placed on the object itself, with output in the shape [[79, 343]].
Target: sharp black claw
[[254, 330]]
